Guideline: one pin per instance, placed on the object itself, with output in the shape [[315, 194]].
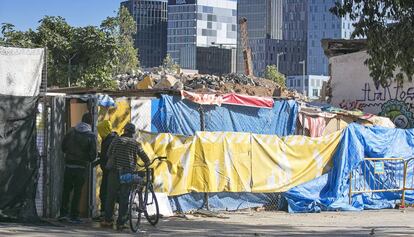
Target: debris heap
[[233, 82]]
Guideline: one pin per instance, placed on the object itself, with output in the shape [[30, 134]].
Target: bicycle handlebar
[[161, 158]]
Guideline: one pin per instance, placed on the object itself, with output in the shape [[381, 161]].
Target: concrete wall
[[353, 88]]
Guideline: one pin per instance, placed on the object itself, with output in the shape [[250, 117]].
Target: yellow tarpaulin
[[283, 163], [173, 176], [222, 162], [119, 115], [237, 162]]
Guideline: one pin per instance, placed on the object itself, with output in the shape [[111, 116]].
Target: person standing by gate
[[123, 154], [107, 135], [79, 146]]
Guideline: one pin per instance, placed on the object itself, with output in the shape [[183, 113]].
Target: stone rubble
[[228, 83]]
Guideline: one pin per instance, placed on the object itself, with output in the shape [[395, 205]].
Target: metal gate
[[378, 175]]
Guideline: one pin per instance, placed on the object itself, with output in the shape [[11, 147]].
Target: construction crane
[[247, 52]]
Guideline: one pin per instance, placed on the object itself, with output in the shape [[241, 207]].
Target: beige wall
[[353, 88]]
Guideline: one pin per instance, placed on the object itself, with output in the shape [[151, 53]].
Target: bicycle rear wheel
[[152, 211], [135, 210]]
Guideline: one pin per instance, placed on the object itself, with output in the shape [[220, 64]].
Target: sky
[[25, 14]]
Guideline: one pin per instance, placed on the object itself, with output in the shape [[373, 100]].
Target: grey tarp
[[18, 156]]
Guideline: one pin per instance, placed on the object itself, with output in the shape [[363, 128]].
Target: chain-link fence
[[230, 202], [40, 142]]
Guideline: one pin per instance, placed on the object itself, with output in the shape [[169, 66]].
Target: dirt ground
[[366, 223]]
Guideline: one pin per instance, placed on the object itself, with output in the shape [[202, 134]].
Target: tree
[[84, 56], [169, 64], [388, 26], [273, 74], [123, 28]]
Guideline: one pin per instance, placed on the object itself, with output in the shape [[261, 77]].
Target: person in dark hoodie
[[107, 135], [124, 152], [79, 146]]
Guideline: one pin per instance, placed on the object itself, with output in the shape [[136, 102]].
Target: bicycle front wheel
[[152, 211], [135, 210]]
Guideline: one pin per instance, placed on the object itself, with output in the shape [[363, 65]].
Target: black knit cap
[[129, 128]]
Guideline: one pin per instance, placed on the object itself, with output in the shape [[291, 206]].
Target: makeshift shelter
[[183, 115], [316, 121], [160, 111], [330, 192]]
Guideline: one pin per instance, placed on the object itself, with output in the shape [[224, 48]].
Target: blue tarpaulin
[[183, 117], [173, 115], [330, 191]]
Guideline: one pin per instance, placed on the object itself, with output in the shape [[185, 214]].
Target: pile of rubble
[[238, 83]]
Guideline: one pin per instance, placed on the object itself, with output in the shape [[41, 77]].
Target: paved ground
[[367, 223]]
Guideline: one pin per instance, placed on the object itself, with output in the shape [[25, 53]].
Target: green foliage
[[123, 28], [388, 26], [168, 64], [84, 56], [273, 74]]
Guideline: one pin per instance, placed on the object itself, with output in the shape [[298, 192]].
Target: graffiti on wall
[[395, 102]]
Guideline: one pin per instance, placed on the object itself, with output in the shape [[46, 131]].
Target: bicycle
[[146, 197]]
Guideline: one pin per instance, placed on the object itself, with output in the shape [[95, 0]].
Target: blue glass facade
[[322, 24], [151, 37], [296, 34]]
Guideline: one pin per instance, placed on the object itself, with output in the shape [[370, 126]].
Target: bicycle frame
[[143, 196]]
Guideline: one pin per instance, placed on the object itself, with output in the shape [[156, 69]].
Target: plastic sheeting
[[330, 191], [216, 162], [230, 98], [21, 71], [183, 117], [173, 115], [18, 156], [223, 201], [119, 116]]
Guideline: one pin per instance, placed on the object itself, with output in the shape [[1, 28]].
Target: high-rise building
[[199, 23], [276, 34], [286, 32], [323, 24], [151, 37], [257, 21]]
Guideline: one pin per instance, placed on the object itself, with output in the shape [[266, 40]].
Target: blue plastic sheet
[[183, 117], [330, 191], [223, 201]]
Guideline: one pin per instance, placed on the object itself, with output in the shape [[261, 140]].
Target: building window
[[315, 92]]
